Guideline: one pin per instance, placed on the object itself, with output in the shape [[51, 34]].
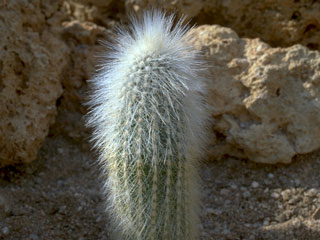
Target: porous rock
[[279, 23], [102, 12], [31, 60], [82, 39], [189, 8], [265, 101]]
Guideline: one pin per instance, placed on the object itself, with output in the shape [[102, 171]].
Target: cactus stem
[[148, 120]]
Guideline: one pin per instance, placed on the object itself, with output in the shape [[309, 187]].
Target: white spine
[[148, 119]]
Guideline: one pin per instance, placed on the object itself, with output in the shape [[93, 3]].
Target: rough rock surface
[[265, 101], [102, 12], [31, 60], [247, 107], [189, 8], [279, 23], [82, 39]]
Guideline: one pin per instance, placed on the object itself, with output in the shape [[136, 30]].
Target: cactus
[[148, 119]]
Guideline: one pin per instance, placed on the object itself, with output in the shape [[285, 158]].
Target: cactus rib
[[148, 120]]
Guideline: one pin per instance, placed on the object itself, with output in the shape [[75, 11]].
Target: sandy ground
[[58, 197]]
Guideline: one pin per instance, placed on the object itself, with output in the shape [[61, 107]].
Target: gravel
[[58, 197]]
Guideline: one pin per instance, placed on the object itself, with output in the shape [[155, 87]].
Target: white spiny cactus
[[148, 119]]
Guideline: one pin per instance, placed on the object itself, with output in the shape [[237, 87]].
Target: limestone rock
[[279, 23], [82, 39], [189, 8], [31, 60], [102, 12], [265, 101]]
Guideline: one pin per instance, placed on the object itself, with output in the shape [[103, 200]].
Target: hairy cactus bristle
[[148, 119]]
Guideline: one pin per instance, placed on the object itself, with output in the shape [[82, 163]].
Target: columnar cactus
[[148, 118]]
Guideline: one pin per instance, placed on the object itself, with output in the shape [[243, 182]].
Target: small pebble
[[270, 175], [306, 200], [285, 195], [254, 184], [233, 186], [256, 225], [297, 182], [224, 191], [312, 192], [296, 222], [60, 150], [316, 214], [60, 183], [267, 181], [246, 194], [34, 236], [293, 200], [275, 195], [243, 189], [266, 222], [281, 218], [5, 230], [210, 210]]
